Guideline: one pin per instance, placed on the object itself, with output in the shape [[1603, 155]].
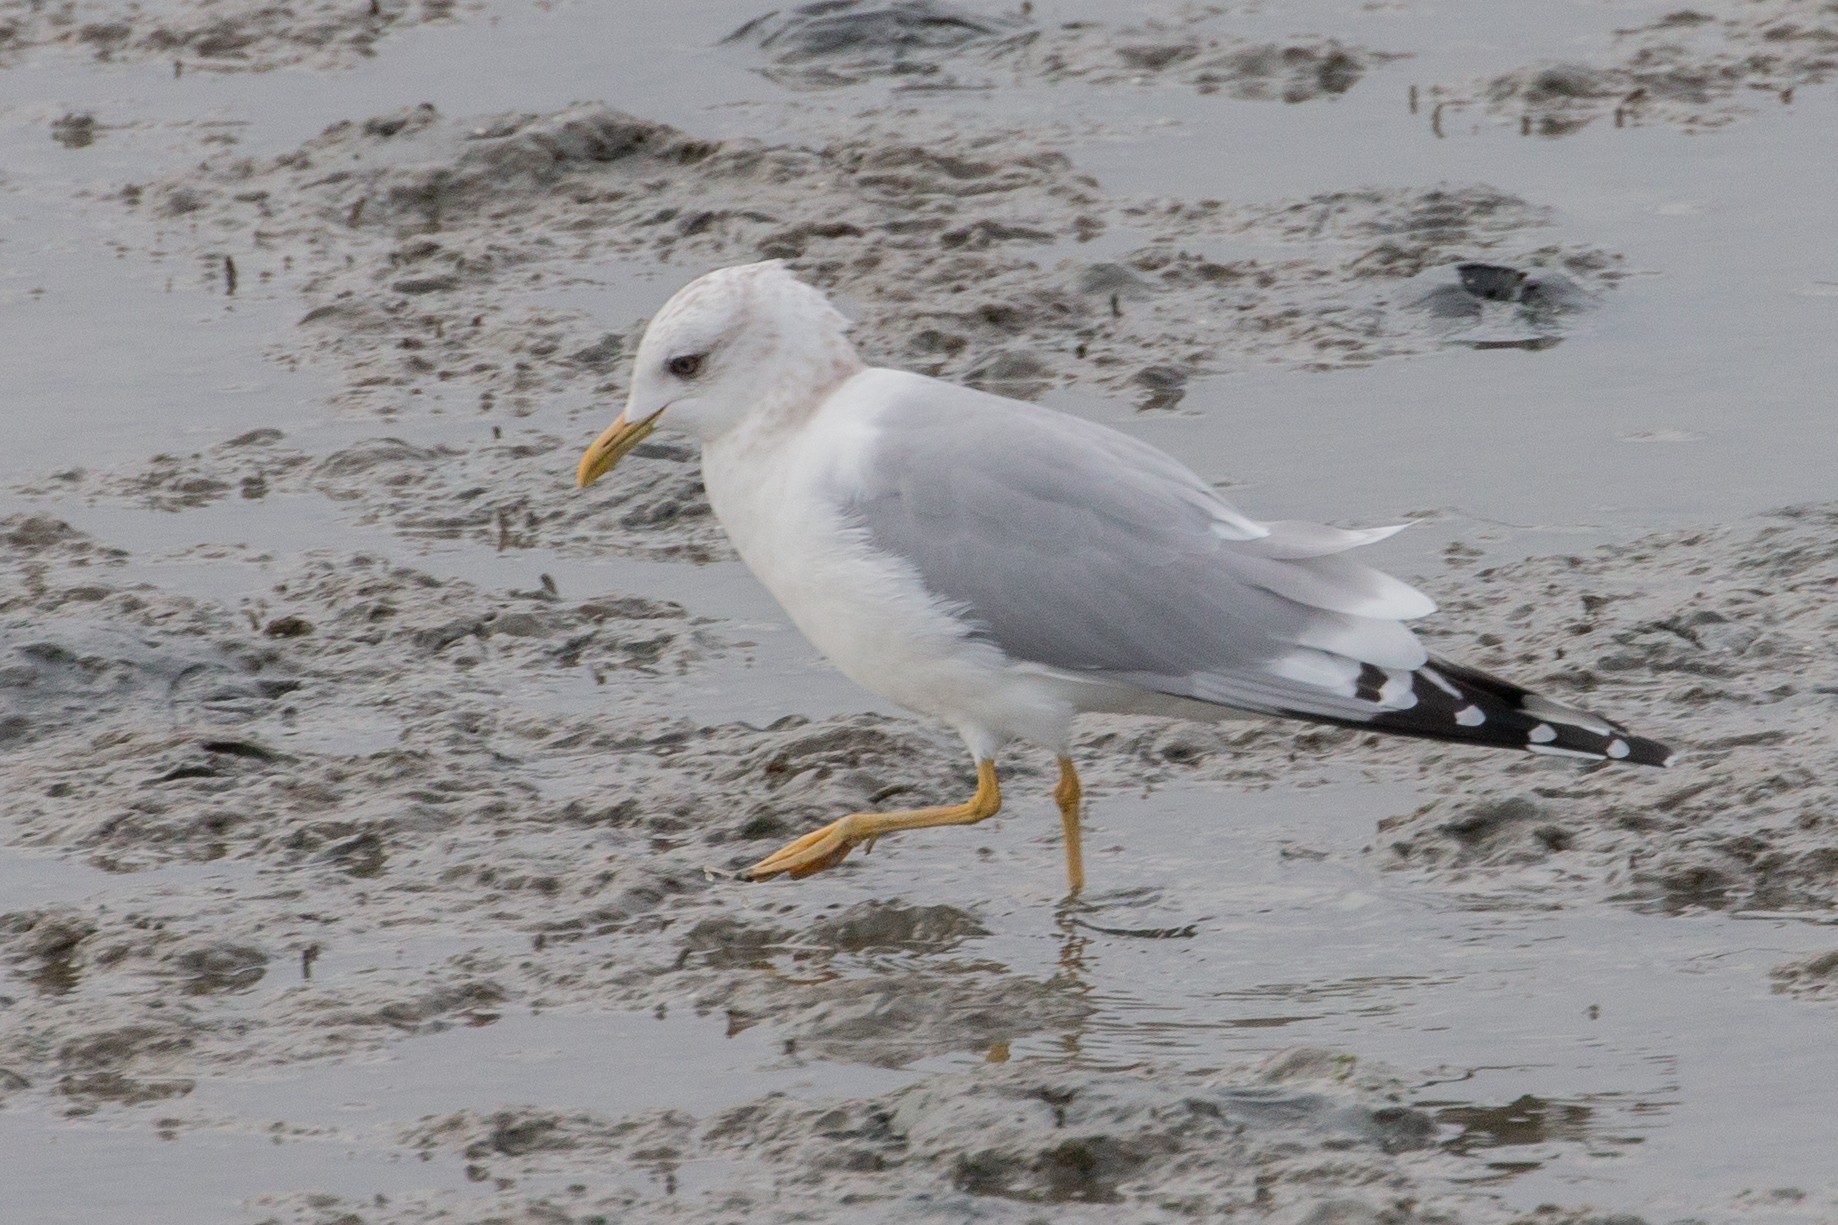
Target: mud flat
[[460, 773], [1698, 67], [212, 37]]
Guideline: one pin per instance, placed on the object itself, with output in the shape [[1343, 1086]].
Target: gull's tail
[[1469, 706]]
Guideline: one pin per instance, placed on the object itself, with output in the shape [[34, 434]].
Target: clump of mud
[[925, 44], [1815, 977], [214, 36], [1699, 67], [1021, 1142]]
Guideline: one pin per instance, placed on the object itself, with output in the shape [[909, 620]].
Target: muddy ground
[[359, 737]]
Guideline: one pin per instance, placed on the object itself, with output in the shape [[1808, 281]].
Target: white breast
[[777, 491]]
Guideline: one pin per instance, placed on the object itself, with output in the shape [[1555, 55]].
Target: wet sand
[[375, 793]]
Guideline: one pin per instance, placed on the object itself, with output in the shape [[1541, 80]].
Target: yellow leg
[[827, 847], [1069, 793]]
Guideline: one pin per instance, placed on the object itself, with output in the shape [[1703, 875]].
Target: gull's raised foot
[[829, 846], [813, 853]]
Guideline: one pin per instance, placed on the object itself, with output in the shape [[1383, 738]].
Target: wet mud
[[924, 44], [463, 763], [213, 37], [1699, 67]]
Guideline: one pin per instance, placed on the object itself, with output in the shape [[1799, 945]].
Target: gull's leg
[[1068, 793], [827, 847]]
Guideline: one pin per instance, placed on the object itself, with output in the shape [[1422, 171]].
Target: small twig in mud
[[229, 275], [308, 956], [1436, 120]]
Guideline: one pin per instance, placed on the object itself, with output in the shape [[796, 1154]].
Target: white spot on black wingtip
[[1470, 716], [1544, 733], [1617, 748]]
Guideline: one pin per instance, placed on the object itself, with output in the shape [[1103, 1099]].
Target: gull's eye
[[687, 365]]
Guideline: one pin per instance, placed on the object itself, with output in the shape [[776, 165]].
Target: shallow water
[[1575, 1051]]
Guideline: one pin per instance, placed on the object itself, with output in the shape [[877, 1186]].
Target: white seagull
[[1005, 568]]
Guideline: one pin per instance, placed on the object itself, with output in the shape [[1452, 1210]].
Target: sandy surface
[[328, 800]]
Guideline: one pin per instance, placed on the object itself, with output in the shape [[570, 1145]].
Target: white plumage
[[1005, 568]]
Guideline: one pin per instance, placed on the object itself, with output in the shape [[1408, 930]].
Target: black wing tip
[[1617, 748], [1464, 705]]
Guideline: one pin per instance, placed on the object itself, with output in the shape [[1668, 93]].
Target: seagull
[[1004, 568]]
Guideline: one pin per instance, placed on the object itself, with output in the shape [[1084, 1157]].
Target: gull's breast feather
[[781, 491]]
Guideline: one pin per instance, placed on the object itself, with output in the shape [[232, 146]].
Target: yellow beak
[[609, 448]]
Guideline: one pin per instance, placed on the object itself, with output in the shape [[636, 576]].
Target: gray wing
[[1076, 547]]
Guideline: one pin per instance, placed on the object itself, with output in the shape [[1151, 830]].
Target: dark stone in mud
[[1491, 281], [1544, 291], [1496, 306]]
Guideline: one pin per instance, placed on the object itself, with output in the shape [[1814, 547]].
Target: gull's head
[[736, 342]]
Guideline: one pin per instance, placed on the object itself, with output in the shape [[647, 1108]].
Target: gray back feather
[[1076, 547]]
